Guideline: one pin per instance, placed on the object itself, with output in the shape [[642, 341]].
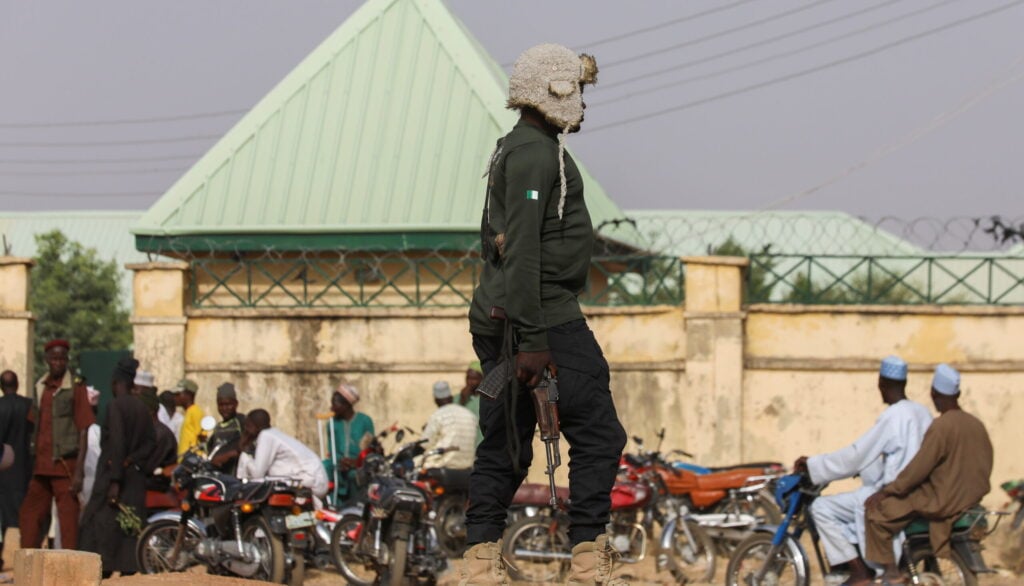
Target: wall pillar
[[16, 331], [714, 358], [158, 319]]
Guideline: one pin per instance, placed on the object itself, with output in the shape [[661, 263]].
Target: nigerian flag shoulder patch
[[532, 194]]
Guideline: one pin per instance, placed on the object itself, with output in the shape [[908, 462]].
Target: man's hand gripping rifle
[[545, 403]]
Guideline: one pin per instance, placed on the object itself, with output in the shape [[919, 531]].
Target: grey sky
[[117, 59]]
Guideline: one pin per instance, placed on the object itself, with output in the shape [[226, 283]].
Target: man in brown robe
[[949, 475]]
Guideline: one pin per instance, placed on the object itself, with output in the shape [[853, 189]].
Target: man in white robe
[[877, 457], [278, 454]]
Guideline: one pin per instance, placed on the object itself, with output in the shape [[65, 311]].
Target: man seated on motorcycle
[[228, 433], [278, 454], [949, 475], [878, 456], [452, 425]]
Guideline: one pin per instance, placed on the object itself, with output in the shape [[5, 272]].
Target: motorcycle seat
[[962, 523], [538, 495], [760, 466], [726, 479], [156, 499], [452, 479]]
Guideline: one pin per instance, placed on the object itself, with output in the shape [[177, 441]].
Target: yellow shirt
[[190, 429]]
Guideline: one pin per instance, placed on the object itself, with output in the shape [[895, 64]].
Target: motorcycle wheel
[[691, 560], [156, 542], [343, 554], [542, 534], [257, 532], [394, 575], [451, 515], [752, 554], [953, 571], [761, 505]]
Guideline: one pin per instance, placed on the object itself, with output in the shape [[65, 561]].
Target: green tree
[[759, 276], [76, 296]]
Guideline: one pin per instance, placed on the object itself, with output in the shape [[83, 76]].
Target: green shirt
[[348, 435], [545, 260], [473, 404]]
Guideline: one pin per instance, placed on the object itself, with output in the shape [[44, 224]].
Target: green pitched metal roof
[[385, 128], [106, 231]]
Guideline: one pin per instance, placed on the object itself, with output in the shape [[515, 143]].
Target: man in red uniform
[[64, 419]]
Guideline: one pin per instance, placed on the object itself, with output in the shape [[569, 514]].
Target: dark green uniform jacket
[[536, 264]]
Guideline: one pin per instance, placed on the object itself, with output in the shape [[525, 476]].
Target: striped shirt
[[451, 425]]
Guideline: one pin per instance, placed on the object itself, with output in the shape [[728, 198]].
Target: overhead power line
[[811, 70], [68, 144], [768, 41], [718, 34], [1009, 78], [666, 24], [122, 121], [4, 172], [99, 161], [654, 27]]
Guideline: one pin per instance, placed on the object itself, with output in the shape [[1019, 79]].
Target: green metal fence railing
[[886, 280], [404, 281]]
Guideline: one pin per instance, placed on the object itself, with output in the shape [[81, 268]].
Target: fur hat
[[548, 77]]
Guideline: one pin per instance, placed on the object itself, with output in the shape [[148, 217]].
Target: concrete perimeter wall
[[729, 382]]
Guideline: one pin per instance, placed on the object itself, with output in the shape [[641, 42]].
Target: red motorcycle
[[537, 549]]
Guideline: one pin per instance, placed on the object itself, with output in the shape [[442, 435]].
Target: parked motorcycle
[[727, 502], [774, 554], [450, 489], [1015, 490], [255, 529], [537, 548], [393, 539]]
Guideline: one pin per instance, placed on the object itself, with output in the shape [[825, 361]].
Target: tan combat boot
[[592, 563], [482, 566]]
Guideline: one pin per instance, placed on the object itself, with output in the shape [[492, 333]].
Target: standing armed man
[[537, 239]]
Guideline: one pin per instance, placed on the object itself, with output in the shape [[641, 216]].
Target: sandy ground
[[642, 574]]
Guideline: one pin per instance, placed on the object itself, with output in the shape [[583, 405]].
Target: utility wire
[[763, 42], [110, 142], [718, 34], [665, 24], [85, 172], [99, 161], [809, 71], [122, 121], [910, 138], [655, 27]]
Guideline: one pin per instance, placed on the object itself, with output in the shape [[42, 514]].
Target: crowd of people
[[64, 471]]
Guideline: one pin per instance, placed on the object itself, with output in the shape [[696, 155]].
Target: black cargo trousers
[[589, 423]]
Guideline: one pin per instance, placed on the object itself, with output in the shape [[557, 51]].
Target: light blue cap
[[946, 380], [893, 368]]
